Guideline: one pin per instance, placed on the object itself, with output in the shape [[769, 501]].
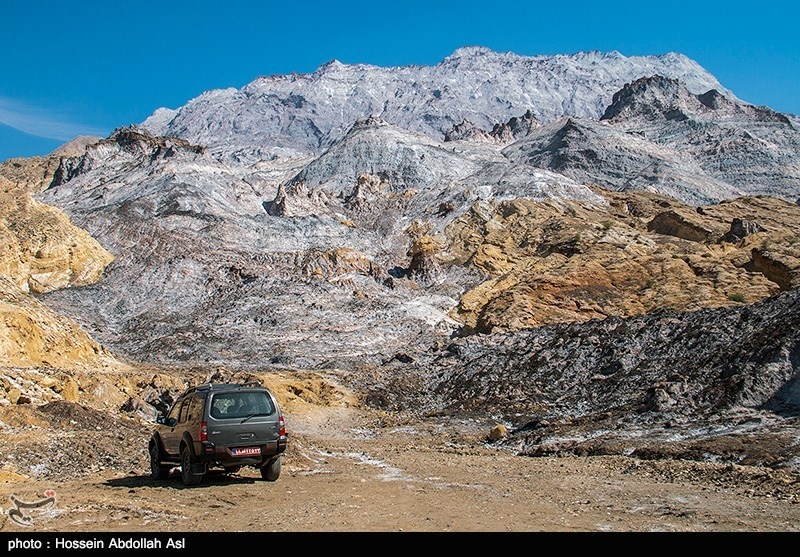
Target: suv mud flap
[[199, 469]]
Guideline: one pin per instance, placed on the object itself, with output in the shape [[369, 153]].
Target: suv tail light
[[282, 432], [282, 427], [203, 432]]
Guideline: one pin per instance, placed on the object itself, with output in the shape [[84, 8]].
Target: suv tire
[[188, 467], [157, 470], [272, 471]]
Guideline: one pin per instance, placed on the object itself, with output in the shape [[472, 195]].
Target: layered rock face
[[43, 251], [550, 262]]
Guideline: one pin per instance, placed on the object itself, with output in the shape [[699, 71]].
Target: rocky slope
[[550, 262], [714, 384], [657, 136], [743, 145], [494, 234], [225, 248], [390, 237], [43, 251]]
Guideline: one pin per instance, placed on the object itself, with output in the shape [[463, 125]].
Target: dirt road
[[349, 471]]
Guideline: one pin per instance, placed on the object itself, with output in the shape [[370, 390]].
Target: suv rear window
[[239, 405]]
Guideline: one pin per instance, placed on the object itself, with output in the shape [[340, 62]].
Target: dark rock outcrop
[[716, 384]]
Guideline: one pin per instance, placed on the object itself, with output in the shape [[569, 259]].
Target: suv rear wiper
[[248, 417]]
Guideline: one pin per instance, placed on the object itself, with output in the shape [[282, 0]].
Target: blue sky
[[86, 67]]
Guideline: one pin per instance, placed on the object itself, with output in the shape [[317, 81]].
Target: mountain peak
[[673, 56], [657, 97], [330, 66], [477, 56], [470, 52], [651, 94], [597, 54]]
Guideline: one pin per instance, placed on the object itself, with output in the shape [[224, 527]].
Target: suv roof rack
[[212, 386]]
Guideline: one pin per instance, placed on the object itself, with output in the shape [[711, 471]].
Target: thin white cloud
[[42, 122]]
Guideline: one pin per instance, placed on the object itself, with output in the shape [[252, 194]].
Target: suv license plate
[[246, 451]]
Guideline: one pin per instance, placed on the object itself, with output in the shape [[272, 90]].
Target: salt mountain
[[372, 220], [308, 113]]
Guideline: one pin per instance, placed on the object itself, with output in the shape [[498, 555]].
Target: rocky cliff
[[43, 251]]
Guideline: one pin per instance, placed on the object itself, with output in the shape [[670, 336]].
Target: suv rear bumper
[[224, 456]]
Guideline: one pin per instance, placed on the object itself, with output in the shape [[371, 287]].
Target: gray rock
[[285, 115], [751, 148]]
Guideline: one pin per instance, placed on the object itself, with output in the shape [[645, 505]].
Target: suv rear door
[[188, 414], [243, 418]]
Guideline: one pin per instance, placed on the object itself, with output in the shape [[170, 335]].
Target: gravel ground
[[352, 470]]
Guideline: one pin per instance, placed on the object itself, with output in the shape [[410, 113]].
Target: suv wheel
[[157, 470], [188, 466], [272, 470]]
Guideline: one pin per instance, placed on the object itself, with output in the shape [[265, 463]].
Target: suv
[[222, 426]]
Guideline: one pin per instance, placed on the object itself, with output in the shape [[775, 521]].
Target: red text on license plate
[[246, 451]]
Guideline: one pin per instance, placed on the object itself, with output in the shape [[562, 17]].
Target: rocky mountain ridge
[[293, 225], [289, 115]]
